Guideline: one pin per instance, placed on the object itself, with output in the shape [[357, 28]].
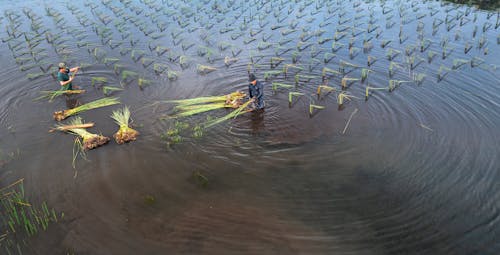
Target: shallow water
[[416, 171]]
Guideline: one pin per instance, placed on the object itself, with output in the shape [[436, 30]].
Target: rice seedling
[[89, 140], [313, 106], [327, 57], [418, 78], [393, 65], [446, 51], [475, 62], [324, 88], [345, 64], [275, 61], [159, 68], [146, 62], [143, 82], [127, 74], [371, 60], [342, 96], [299, 77], [385, 43], [368, 89], [293, 94], [108, 61], [481, 42], [136, 55], [204, 69], [442, 72], [457, 63], [430, 55], [107, 90], [229, 61], [353, 52], [276, 85], [60, 115], [55, 93], [393, 84], [32, 76], [172, 75], [346, 82], [327, 71], [364, 74], [125, 50], [272, 73], [392, 53], [125, 133]]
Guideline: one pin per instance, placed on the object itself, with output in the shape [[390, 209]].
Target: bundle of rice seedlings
[[89, 140], [240, 110], [211, 99], [55, 93], [125, 133], [60, 115]]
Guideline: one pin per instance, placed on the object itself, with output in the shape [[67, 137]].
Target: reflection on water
[[416, 171]]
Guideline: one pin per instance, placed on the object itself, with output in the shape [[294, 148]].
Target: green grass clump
[[20, 218]]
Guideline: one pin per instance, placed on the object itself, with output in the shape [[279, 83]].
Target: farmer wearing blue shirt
[[256, 92], [64, 78]]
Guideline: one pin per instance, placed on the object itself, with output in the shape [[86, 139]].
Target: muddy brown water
[[417, 170]]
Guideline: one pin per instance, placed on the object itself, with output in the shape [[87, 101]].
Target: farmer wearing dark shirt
[[64, 78], [256, 91]]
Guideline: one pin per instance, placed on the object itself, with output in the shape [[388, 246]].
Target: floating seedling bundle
[[192, 106], [61, 115], [125, 133], [89, 140]]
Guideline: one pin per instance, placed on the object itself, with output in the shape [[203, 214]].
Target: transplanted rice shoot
[[125, 133]]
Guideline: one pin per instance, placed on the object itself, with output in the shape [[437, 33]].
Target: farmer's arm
[[74, 70], [260, 90], [63, 83]]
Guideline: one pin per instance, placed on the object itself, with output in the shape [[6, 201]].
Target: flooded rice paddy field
[[380, 133]]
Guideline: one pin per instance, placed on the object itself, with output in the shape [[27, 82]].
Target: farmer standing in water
[[256, 92], [64, 78]]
